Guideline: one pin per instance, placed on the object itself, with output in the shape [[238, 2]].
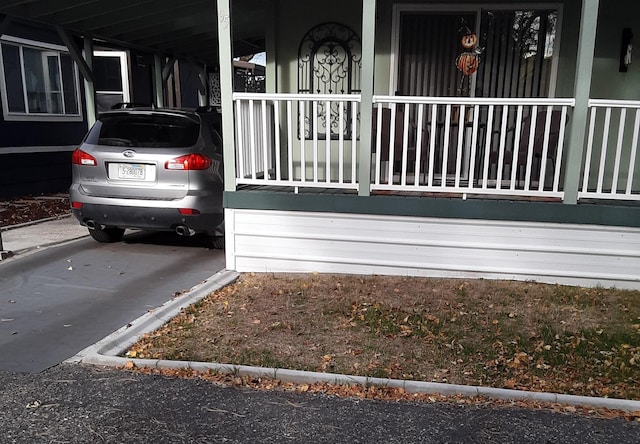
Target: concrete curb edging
[[105, 352]]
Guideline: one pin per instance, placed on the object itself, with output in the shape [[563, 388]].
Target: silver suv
[[150, 169]]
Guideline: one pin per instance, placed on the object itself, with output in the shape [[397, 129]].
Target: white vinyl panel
[[300, 241], [421, 231], [443, 257]]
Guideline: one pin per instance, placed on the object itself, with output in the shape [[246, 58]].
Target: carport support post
[[226, 93], [157, 83], [89, 86]]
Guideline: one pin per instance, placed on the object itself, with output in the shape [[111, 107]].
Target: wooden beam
[[76, 54]]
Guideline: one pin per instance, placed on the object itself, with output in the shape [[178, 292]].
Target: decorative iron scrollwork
[[329, 62]]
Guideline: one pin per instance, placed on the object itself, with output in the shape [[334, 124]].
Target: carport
[[171, 30]]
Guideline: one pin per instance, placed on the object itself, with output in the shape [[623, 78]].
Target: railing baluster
[[616, 164], [432, 143], [590, 138], [265, 141], [378, 140], [445, 148], [545, 148], [603, 149], [240, 139], [560, 150], [461, 128], [632, 156], [474, 142], [354, 143], [327, 140], [303, 163], [252, 141], [487, 148], [340, 142], [290, 124], [315, 140], [515, 154], [416, 174], [405, 146], [392, 144], [532, 136], [276, 132], [501, 146]]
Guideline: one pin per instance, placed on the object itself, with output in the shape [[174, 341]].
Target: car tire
[[107, 235], [217, 242]]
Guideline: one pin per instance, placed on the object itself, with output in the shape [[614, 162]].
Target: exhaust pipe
[[91, 224], [183, 230]]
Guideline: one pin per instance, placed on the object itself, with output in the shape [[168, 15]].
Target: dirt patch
[[32, 208], [520, 335]]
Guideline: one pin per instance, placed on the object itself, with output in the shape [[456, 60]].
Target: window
[[39, 81], [517, 51]]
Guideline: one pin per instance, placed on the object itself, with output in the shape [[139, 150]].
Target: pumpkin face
[[469, 41], [467, 63]]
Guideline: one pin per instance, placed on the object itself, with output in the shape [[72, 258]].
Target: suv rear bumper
[[147, 218]]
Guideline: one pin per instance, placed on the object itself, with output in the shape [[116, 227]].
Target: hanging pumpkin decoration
[[467, 63], [469, 41]]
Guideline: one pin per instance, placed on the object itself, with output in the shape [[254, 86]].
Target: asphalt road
[[64, 298], [77, 404]]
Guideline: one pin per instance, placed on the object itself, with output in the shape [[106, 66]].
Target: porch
[[437, 146]]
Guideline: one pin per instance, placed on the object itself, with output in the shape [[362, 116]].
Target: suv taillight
[[188, 162], [79, 157]]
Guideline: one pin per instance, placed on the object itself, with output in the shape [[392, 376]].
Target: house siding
[[290, 241], [35, 155]]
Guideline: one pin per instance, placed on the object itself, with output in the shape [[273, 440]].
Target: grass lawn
[[517, 335]]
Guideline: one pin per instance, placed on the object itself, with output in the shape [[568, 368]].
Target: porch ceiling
[[186, 29]]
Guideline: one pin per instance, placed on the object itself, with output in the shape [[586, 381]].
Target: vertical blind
[[515, 61]]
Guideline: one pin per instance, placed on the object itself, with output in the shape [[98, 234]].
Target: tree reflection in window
[[329, 62]]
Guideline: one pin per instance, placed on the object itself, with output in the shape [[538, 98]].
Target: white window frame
[[399, 8], [38, 117], [124, 73]]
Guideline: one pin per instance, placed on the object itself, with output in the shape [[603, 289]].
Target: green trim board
[[454, 208]]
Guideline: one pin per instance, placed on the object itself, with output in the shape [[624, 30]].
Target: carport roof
[[186, 29]]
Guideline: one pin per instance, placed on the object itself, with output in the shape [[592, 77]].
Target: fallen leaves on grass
[[517, 335]]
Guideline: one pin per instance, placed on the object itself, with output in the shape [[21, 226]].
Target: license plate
[[131, 171]]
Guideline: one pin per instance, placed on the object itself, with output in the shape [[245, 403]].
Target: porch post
[[582, 90], [226, 93], [366, 104]]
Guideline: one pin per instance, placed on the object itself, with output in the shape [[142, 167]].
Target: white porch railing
[[297, 140], [469, 145], [466, 146], [612, 151]]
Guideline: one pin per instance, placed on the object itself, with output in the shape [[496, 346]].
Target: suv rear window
[[144, 130]]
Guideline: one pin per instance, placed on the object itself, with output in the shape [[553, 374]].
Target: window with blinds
[[516, 49]]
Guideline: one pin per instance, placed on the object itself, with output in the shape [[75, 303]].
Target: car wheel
[[217, 242], [107, 235]]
